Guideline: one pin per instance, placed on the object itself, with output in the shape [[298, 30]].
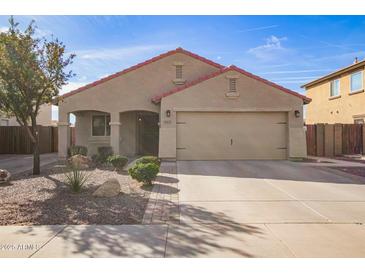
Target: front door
[[148, 132]]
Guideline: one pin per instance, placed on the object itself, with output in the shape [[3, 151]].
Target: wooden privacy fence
[[15, 140], [335, 139]]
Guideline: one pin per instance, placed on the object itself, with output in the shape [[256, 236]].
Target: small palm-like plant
[[76, 179]]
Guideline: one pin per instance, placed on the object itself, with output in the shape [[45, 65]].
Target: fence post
[[329, 140], [338, 139], [363, 139], [320, 139]]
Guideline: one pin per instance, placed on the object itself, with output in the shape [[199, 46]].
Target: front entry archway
[[147, 133]]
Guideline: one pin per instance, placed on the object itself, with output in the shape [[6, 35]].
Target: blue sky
[[288, 50]]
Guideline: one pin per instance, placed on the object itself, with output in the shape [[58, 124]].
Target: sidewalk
[[60, 241]]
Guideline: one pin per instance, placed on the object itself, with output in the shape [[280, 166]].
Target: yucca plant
[[76, 179]]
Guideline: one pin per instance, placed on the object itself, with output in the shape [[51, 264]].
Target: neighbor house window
[[100, 125], [179, 72], [359, 121], [335, 88], [232, 85], [356, 81]]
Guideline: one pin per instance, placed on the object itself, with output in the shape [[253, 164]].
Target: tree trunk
[[36, 157]]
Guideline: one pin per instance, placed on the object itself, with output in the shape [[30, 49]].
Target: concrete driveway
[[267, 209]]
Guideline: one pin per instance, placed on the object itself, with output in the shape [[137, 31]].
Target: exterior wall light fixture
[[297, 113], [168, 113]]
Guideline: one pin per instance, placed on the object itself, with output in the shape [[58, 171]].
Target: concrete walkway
[[18, 163], [163, 205], [226, 209]]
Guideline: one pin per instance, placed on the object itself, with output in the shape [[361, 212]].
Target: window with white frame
[[232, 85], [335, 88], [179, 72], [100, 125], [356, 81]]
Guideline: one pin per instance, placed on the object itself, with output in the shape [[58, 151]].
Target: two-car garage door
[[231, 136]]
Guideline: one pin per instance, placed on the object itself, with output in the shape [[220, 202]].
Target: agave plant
[[76, 179]]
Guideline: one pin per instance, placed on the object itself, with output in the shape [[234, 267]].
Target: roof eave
[[334, 74], [139, 65], [157, 99]]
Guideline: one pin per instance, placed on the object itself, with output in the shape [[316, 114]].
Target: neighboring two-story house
[[338, 97], [44, 117]]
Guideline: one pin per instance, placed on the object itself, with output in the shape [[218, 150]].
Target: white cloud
[[72, 86], [259, 28], [3, 29], [219, 57], [270, 49], [117, 53], [296, 78], [41, 33], [296, 71]]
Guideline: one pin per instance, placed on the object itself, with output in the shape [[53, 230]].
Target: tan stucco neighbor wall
[[44, 117], [210, 96], [342, 109], [129, 92]]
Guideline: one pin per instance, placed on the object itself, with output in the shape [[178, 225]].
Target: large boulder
[[109, 188], [4, 176], [80, 161]]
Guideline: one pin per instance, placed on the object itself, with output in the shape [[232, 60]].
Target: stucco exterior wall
[[134, 90], [210, 95], [342, 109], [83, 133], [129, 92]]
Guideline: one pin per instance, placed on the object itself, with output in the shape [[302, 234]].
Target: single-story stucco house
[[181, 106]]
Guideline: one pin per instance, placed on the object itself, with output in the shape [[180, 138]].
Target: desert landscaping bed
[[46, 199]]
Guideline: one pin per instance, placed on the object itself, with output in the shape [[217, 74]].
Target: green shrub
[[145, 173], [74, 150], [95, 158], [76, 179], [117, 161], [104, 153], [148, 159]]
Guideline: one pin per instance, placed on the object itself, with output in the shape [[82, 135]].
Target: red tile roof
[[154, 59], [157, 98]]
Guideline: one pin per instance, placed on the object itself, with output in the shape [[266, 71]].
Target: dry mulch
[[46, 200]]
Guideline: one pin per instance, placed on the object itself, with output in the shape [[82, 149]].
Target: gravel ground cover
[[45, 199]]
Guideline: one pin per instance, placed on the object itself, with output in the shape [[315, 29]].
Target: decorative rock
[[80, 161], [4, 176], [109, 188]]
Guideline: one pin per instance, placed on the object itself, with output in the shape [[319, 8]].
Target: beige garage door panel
[[224, 136]]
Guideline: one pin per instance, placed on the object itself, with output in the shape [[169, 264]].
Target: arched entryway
[[147, 133]]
